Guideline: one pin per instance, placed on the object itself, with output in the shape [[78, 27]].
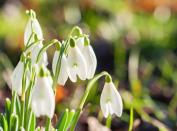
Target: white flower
[[76, 64], [43, 99], [89, 56], [32, 26], [34, 53], [111, 101], [63, 75], [17, 78]]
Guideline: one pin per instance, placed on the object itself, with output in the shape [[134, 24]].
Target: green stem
[[30, 38], [89, 87], [48, 124], [31, 84], [29, 120], [58, 66], [23, 94], [13, 102], [44, 48], [22, 113], [84, 97], [63, 49], [27, 100], [29, 46]]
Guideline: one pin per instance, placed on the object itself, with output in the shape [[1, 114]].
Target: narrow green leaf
[[5, 124], [13, 102], [62, 122], [75, 120], [131, 119], [29, 122], [33, 123], [18, 106], [70, 119], [8, 110], [14, 123]]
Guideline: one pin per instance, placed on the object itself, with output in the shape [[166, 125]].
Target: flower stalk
[[84, 97]]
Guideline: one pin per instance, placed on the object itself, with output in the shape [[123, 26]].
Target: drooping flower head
[[110, 101], [32, 27], [79, 60], [89, 55], [43, 99], [77, 65], [63, 74], [17, 76], [33, 34]]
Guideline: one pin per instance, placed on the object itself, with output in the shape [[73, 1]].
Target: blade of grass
[[131, 119]]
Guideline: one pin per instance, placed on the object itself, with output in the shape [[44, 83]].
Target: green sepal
[[108, 79], [72, 42]]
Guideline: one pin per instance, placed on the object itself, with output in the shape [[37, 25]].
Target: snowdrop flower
[[32, 26], [63, 75], [111, 101], [76, 63], [17, 78], [89, 55], [43, 99]]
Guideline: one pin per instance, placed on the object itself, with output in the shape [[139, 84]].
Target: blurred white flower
[[89, 55], [111, 101], [34, 53], [76, 64], [32, 26], [43, 99], [16, 78], [63, 75]]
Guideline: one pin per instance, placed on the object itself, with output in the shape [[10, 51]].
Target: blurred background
[[134, 40]]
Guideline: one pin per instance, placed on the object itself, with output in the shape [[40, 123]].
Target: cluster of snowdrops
[[33, 86]]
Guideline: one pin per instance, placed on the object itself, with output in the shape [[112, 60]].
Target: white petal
[[34, 53], [32, 24], [111, 101], [80, 43], [17, 78], [76, 64], [43, 99], [116, 100], [63, 75], [105, 98], [91, 60]]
